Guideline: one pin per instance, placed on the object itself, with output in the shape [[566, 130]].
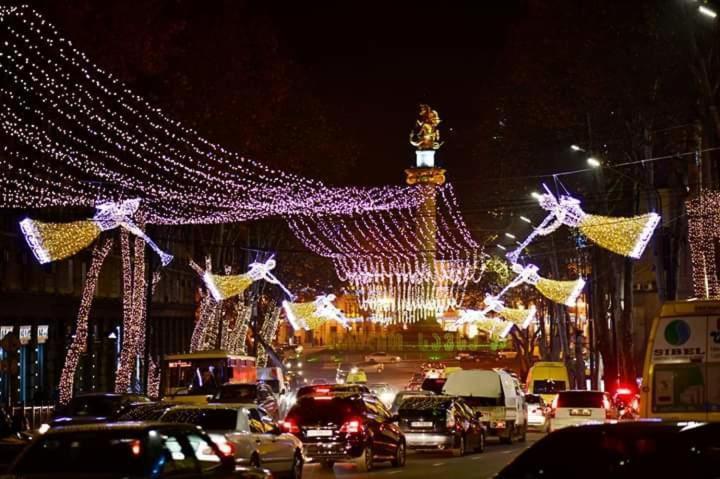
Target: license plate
[[318, 433], [421, 424], [580, 412]]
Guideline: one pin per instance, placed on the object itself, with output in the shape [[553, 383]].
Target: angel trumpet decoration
[[56, 241], [226, 286], [624, 236], [312, 314]]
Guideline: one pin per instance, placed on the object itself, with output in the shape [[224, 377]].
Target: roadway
[[436, 465]]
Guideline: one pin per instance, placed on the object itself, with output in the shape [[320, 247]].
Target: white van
[[496, 395]]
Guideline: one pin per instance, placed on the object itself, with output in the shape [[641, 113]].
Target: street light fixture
[[707, 12], [576, 148], [536, 195], [525, 219], [502, 247], [593, 162], [510, 235]]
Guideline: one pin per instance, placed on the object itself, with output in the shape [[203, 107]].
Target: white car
[[246, 431], [572, 408], [537, 412], [381, 357]]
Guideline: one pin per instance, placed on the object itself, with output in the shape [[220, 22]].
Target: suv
[[441, 422], [346, 428], [578, 407]]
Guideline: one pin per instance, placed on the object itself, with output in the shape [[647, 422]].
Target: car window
[[210, 419], [204, 452], [591, 399], [260, 423], [548, 386], [177, 457]]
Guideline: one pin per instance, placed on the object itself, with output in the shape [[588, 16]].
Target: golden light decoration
[[703, 231], [520, 317], [310, 315], [563, 292], [226, 286], [495, 327], [625, 236], [55, 241]]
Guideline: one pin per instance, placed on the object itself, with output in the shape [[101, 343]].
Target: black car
[[96, 407], [625, 450], [127, 449], [441, 422], [151, 411], [434, 385], [346, 428]]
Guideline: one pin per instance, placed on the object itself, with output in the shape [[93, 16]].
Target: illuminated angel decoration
[[426, 135], [56, 241], [310, 315], [520, 317], [624, 236], [226, 286], [563, 292]]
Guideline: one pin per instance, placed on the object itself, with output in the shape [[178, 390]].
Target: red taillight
[[289, 426], [136, 447], [322, 390], [227, 448], [353, 426], [623, 392]]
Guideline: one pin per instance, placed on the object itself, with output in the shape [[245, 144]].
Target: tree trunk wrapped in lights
[[267, 333], [79, 342]]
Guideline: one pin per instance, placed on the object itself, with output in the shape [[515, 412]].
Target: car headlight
[[387, 397]]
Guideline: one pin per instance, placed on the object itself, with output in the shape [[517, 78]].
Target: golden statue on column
[[426, 135]]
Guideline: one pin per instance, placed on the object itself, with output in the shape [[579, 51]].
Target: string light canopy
[[55, 241], [405, 264], [624, 236], [310, 315], [81, 135]]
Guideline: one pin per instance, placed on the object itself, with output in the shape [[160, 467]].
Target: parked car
[[96, 407], [260, 394], [441, 422], [127, 449], [346, 428], [538, 412], [496, 395], [381, 357], [247, 432], [403, 395], [578, 407], [626, 450]]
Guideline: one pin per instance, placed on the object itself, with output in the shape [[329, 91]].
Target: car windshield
[[209, 419], [96, 406], [593, 399], [237, 393], [89, 453], [325, 409], [548, 386]]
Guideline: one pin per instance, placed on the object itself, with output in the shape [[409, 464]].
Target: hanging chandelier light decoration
[[624, 236], [404, 264], [310, 315], [56, 241]]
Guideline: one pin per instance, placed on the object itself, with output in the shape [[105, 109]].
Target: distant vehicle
[[346, 428], [497, 396], [507, 354], [96, 407], [441, 422], [402, 395], [381, 357], [384, 392], [579, 407], [626, 450], [319, 381], [538, 412], [547, 378], [260, 394], [128, 449], [246, 432], [356, 376], [680, 380], [195, 377], [332, 389], [434, 385]]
